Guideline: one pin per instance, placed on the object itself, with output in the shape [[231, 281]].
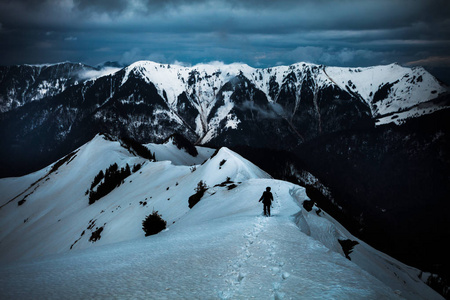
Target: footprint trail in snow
[[257, 256]]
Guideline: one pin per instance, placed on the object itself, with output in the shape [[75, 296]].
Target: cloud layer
[[257, 32]]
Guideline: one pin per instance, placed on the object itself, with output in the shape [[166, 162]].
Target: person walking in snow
[[267, 199]]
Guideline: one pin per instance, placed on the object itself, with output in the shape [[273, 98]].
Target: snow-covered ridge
[[207, 78], [202, 85], [385, 89], [221, 248], [388, 89], [33, 204]]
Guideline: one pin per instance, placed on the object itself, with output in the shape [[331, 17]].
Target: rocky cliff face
[[23, 84]]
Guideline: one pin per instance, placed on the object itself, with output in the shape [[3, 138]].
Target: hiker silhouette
[[266, 199]]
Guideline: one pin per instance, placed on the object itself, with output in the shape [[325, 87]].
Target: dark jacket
[[266, 198]]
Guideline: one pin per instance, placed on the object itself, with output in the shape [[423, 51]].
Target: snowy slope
[[221, 248], [56, 205], [389, 89]]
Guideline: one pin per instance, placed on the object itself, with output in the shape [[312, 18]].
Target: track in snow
[[257, 251]]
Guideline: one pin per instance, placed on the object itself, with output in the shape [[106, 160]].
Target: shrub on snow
[[153, 224]]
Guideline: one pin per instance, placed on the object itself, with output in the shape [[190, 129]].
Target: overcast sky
[[260, 33]]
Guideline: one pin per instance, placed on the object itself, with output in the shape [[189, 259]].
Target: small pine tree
[[136, 168], [138, 148], [200, 191], [201, 186], [97, 179], [113, 178], [153, 224]]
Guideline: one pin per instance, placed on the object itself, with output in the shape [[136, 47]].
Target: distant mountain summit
[[386, 90]]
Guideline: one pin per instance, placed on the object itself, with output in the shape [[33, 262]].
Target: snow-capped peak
[[173, 80], [388, 89], [231, 163], [385, 89]]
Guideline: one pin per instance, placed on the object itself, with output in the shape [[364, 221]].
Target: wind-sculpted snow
[[222, 248]]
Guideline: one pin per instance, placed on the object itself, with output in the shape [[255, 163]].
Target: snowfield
[[222, 248]]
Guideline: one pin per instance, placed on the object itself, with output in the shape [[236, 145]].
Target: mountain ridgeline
[[280, 107], [146, 220], [20, 85], [376, 138]]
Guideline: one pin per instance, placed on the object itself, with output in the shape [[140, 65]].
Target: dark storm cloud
[[258, 32], [145, 6], [101, 5], [310, 14]]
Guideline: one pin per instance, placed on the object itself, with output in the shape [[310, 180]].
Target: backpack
[[267, 198]]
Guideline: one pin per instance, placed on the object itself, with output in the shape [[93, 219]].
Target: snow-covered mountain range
[[376, 139], [68, 104], [54, 244], [385, 89]]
